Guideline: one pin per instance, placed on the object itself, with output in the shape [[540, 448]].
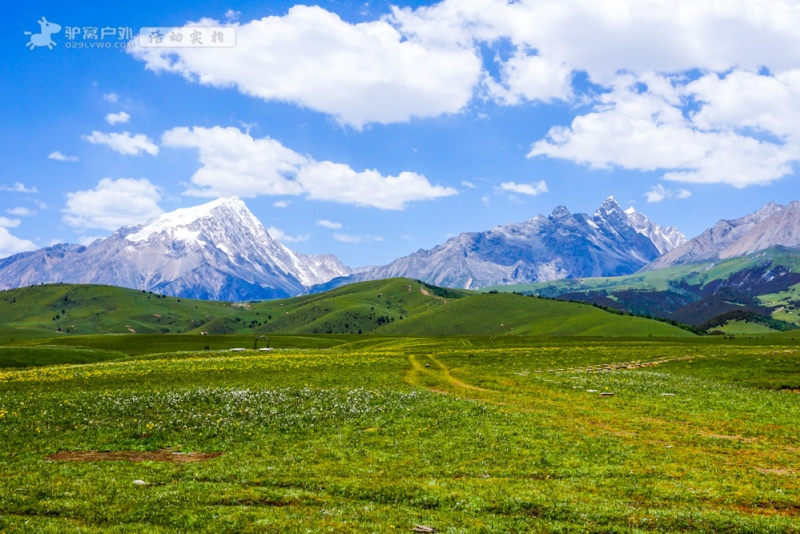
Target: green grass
[[389, 307], [503, 314], [479, 434], [744, 327]]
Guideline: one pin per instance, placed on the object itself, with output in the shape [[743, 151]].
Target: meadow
[[384, 434]]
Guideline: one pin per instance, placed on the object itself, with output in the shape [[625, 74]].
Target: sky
[[373, 129]]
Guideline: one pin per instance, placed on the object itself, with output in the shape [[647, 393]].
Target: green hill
[[765, 284], [392, 307], [508, 314]]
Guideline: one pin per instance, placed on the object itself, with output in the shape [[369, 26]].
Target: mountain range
[[221, 251], [610, 242], [744, 270]]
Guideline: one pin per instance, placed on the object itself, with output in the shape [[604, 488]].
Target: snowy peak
[[218, 250], [609, 206], [664, 238], [224, 211], [561, 212]]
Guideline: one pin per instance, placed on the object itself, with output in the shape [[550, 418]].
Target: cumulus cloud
[[117, 118], [18, 187], [357, 239], [735, 122], [124, 143], [531, 77], [21, 211], [337, 182], [740, 99], [112, 204], [283, 237], [531, 189], [603, 39], [660, 193], [58, 156], [647, 130], [10, 244], [113, 98], [363, 73], [329, 224], [235, 163]]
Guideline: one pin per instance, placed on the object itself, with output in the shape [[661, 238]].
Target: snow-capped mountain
[[218, 250], [562, 245], [769, 226], [665, 239]]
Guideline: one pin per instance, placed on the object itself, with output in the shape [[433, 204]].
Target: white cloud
[[467, 183], [362, 73], [111, 97], [531, 77], [740, 99], [113, 203], [660, 193], [357, 239], [424, 62], [232, 15], [235, 163], [117, 118], [329, 224], [337, 182], [58, 156], [647, 130], [124, 143], [486, 200], [283, 237], [281, 204], [18, 187], [603, 38], [5, 222], [21, 212], [10, 244], [531, 189]]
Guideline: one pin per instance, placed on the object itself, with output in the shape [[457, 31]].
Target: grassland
[[392, 307], [379, 434], [454, 410]]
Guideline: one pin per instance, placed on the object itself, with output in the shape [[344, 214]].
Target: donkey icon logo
[[43, 38]]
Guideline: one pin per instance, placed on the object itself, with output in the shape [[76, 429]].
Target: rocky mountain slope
[[772, 225], [609, 242]]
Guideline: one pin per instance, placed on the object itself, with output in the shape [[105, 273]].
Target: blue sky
[[370, 130]]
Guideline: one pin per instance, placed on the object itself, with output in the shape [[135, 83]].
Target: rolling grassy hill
[[766, 283], [395, 307]]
